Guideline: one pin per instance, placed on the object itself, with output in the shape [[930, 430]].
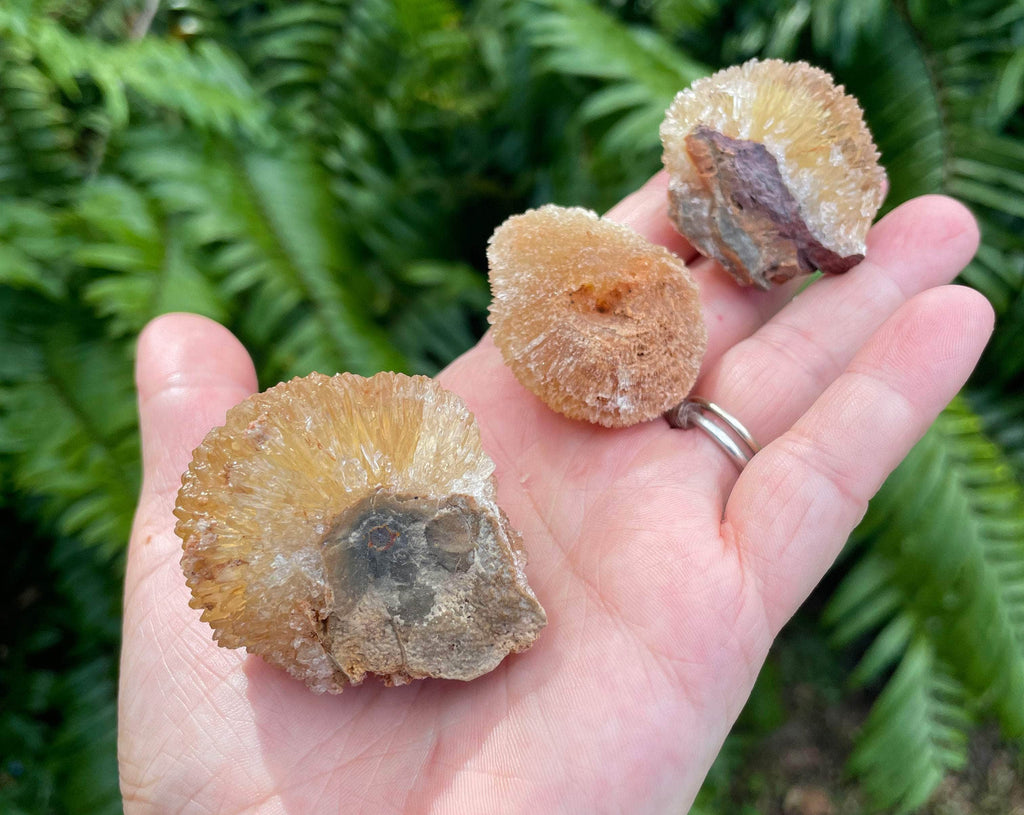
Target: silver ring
[[739, 445]]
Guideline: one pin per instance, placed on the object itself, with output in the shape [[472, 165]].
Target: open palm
[[665, 572]]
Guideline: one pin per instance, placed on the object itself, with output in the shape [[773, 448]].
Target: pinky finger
[[797, 501]]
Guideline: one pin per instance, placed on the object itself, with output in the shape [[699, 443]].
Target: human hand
[[666, 573]]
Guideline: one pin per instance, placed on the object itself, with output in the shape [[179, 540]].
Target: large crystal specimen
[[340, 526], [773, 171], [599, 323]]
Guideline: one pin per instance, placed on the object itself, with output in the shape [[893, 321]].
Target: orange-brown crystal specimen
[[342, 526], [599, 323], [773, 171]]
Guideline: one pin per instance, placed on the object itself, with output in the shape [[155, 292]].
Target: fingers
[[771, 378], [175, 682], [797, 501], [189, 370]]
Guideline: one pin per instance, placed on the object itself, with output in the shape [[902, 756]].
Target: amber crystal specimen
[[342, 526], [772, 171], [599, 323]]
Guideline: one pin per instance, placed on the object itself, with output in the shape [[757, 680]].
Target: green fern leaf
[[673, 17], [290, 50], [581, 40], [939, 583], [892, 80], [433, 325], [644, 70], [105, 19], [864, 601], [915, 733], [36, 137], [999, 273], [61, 610], [67, 419], [950, 522], [142, 268], [1001, 410], [840, 27], [418, 17], [33, 248], [271, 227], [973, 53], [205, 84]]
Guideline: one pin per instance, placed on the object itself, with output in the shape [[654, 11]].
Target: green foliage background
[[322, 176]]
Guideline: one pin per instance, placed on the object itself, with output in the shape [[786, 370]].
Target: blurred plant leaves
[[322, 177]]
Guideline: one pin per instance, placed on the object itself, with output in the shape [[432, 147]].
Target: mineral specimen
[[772, 171], [342, 526], [599, 323]]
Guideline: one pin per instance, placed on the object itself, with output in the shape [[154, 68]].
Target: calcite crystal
[[599, 323], [772, 171], [342, 526]]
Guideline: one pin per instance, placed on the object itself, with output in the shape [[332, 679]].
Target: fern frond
[[32, 248], [643, 70], [893, 81], [61, 626], [345, 75], [673, 17], [997, 271], [36, 137], [950, 524], [581, 40], [864, 601], [916, 731], [1001, 411], [840, 27], [433, 325], [270, 225], [67, 419], [108, 20], [141, 266], [205, 84], [85, 748], [939, 585], [290, 49], [322, 61], [985, 166]]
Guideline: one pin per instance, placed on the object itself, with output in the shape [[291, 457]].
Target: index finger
[[797, 500]]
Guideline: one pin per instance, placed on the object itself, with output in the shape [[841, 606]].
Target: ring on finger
[[722, 427]]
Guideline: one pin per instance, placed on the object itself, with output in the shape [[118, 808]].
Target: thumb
[[189, 370]]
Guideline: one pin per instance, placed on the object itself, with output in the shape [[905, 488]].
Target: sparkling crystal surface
[[814, 131], [340, 526], [601, 324]]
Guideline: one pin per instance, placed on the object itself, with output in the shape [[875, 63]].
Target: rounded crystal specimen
[[773, 171], [599, 323], [342, 526]]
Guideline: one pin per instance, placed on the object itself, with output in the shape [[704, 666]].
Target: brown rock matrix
[[599, 323], [342, 526], [773, 171]]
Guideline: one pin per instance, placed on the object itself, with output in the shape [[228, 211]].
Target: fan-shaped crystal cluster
[[773, 171], [342, 526], [599, 323]]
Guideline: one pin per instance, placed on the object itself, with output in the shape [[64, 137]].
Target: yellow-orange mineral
[[599, 323], [342, 526], [773, 171]]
